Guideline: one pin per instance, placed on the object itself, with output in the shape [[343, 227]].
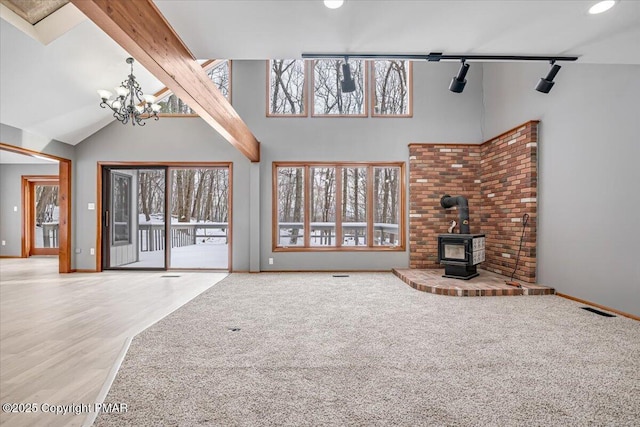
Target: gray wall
[[589, 178], [300, 139], [19, 138], [167, 140], [438, 116], [10, 195]]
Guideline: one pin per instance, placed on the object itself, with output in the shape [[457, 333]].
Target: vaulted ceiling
[[50, 89]]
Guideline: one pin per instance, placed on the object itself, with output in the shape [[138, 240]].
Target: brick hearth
[[486, 284]]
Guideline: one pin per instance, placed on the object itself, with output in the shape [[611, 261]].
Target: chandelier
[[130, 104]]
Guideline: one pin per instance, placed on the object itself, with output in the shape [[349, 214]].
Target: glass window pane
[[46, 212], [323, 207], [120, 209], [286, 87], [328, 98], [386, 206], [354, 206], [391, 87], [219, 74], [290, 206]]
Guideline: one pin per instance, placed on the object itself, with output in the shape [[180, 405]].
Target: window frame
[[370, 247], [409, 92], [365, 92], [305, 90], [206, 66]]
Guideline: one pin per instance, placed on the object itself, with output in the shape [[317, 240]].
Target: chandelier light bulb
[[333, 4], [104, 94], [122, 91]]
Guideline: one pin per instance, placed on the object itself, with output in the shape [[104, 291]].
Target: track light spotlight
[[545, 84], [458, 82], [347, 84]]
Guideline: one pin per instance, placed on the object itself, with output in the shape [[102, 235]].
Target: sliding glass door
[[133, 218], [147, 227], [199, 218]]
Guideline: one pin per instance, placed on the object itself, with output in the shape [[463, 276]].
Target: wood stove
[[460, 253]]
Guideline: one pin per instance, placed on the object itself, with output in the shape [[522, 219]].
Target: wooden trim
[[29, 152], [64, 231], [307, 206], [99, 219], [206, 66], [338, 206], [230, 218], [29, 182], [85, 270], [370, 213], [141, 29], [305, 93], [11, 256], [613, 310], [409, 91], [64, 203], [338, 249], [365, 101]]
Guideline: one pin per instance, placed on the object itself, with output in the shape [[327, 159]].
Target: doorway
[[41, 215], [161, 217]]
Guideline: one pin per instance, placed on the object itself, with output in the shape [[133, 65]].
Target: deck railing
[[151, 236], [50, 235], [323, 233]]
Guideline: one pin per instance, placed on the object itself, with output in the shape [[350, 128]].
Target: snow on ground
[[206, 255]]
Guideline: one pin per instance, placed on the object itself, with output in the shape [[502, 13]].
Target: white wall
[[589, 176]]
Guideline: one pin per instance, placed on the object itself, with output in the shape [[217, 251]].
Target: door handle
[[106, 218]]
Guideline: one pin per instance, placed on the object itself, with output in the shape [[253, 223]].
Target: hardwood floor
[[60, 335]]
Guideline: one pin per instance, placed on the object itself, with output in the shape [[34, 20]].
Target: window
[[345, 206], [392, 88], [328, 99], [121, 209], [219, 71], [287, 94]]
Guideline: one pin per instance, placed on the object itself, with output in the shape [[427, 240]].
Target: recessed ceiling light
[[333, 4], [602, 6]]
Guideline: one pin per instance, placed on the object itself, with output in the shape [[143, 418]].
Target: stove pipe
[[463, 210]]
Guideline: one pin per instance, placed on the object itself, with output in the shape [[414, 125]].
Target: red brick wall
[[498, 177]]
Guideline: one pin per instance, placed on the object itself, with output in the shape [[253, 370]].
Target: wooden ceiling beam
[[140, 28]]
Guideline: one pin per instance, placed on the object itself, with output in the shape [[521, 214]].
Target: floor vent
[[170, 275], [601, 313], [233, 329], [340, 275]]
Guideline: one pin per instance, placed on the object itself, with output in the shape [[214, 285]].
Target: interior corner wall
[[436, 170], [11, 191], [499, 180], [588, 195], [509, 177]]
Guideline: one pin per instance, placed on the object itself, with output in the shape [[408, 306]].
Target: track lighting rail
[[439, 56]]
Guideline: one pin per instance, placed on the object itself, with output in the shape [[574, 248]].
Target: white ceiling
[[51, 90]]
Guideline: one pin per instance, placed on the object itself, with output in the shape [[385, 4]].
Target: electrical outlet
[[78, 250], [270, 261], [15, 209], [92, 251], [4, 243]]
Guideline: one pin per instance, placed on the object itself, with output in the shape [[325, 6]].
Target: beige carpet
[[369, 350]]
